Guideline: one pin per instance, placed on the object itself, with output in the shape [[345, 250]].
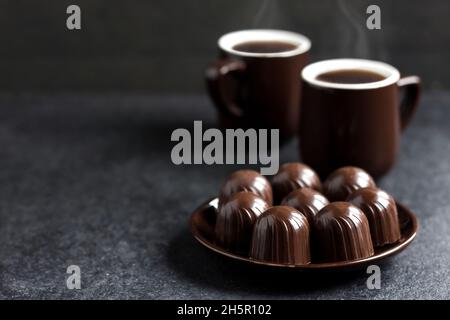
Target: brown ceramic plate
[[202, 227]]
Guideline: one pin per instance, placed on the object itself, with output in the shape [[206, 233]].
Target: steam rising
[[268, 15], [354, 39]]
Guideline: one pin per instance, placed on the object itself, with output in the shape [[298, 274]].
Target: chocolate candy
[[235, 221], [307, 201], [341, 232], [342, 182], [246, 180], [306, 226], [281, 235], [381, 212], [292, 176]]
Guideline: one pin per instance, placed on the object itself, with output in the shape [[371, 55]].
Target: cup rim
[[311, 71], [229, 40]]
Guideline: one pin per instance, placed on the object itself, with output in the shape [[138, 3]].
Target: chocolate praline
[[341, 232], [246, 180], [292, 176], [281, 235], [307, 201], [381, 212], [342, 182], [235, 220]]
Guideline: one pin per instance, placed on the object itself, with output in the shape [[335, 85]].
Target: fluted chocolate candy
[[342, 182], [307, 201], [281, 235], [246, 180], [381, 212], [235, 221], [292, 176], [341, 233]]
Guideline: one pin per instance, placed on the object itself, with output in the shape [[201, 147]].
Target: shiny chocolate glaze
[[307, 201], [341, 232], [246, 180], [281, 235], [381, 212], [343, 181], [292, 176], [235, 221]]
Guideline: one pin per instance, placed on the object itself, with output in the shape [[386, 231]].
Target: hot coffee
[[238, 79], [265, 46], [350, 76], [351, 118]]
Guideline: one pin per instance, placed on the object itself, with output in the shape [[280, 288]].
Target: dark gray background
[[163, 46], [88, 180]]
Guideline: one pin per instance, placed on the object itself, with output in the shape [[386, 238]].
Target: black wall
[[163, 46]]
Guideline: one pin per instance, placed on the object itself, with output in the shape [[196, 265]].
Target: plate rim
[[311, 266]]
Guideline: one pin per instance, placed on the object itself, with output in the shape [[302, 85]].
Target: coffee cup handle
[[219, 78], [411, 85]]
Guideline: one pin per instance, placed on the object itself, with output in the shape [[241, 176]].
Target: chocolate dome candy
[[235, 221], [342, 182], [292, 176], [307, 201], [341, 232], [281, 235], [246, 180], [381, 212]]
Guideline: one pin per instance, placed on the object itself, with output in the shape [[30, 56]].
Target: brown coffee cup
[[254, 83], [354, 122]]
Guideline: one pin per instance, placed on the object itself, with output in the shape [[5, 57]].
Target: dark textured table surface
[[87, 180]]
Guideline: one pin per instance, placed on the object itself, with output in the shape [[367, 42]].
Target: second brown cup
[[254, 83], [352, 114]]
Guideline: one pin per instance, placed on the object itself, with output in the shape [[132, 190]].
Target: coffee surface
[[350, 76], [264, 46]]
